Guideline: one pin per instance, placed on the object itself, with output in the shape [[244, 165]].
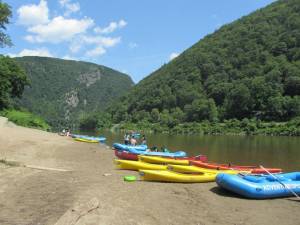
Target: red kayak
[[216, 166], [126, 155], [131, 156]]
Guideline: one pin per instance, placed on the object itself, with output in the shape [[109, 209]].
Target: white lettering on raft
[[280, 186]]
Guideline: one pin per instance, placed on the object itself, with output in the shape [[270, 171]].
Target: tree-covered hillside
[[62, 91], [247, 69], [12, 77]]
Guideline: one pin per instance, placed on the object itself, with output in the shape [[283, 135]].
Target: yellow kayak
[[170, 176], [137, 165], [161, 160], [196, 169], [86, 140]]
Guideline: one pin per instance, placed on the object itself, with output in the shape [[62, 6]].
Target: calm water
[[283, 152]]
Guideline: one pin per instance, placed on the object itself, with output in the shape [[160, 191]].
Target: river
[[283, 152]]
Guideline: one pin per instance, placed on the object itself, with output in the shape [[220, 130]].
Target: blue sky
[[132, 36]]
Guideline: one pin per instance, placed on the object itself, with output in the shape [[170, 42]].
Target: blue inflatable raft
[[261, 187], [122, 147], [177, 154], [141, 150]]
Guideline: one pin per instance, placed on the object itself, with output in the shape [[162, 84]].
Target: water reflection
[[281, 152]]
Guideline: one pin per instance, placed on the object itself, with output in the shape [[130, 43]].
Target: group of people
[[65, 132], [131, 139]]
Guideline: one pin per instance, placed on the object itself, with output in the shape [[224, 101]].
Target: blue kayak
[[141, 150], [261, 187], [177, 154], [100, 139], [122, 147]]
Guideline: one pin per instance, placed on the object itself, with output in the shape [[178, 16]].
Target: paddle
[[276, 178]]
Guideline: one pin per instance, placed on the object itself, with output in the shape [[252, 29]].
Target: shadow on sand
[[223, 192]]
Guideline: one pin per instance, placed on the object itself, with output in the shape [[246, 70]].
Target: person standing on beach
[[144, 141], [132, 141], [126, 139], [68, 132]]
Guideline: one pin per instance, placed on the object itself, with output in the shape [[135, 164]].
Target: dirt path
[[32, 197]]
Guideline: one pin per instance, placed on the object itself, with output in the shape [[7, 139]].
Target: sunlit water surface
[[283, 152]]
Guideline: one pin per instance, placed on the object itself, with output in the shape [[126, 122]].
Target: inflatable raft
[[122, 147], [252, 169], [137, 165], [170, 176], [261, 187], [142, 150]]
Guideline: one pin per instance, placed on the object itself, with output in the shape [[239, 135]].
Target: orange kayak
[[216, 166]]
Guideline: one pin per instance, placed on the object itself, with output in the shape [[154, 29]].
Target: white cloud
[[111, 27], [99, 50], [67, 57], [99, 40], [33, 52], [30, 38], [75, 46], [173, 55], [59, 29], [77, 32], [69, 6], [99, 44], [122, 23], [33, 14]]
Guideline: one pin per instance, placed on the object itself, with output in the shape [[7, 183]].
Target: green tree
[[88, 122], [5, 14], [12, 81], [155, 116], [292, 85], [238, 102]]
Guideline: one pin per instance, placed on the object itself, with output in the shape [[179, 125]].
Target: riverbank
[[228, 127], [43, 196]]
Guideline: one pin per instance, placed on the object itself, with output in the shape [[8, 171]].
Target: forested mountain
[[62, 91], [247, 69]]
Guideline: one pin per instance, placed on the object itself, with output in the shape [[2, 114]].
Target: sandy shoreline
[[30, 196]]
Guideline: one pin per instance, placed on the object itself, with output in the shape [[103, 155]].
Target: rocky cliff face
[[90, 78], [62, 90]]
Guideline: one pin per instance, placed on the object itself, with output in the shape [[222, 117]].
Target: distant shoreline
[[231, 127]]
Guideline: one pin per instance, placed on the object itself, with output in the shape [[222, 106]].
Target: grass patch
[[26, 119]]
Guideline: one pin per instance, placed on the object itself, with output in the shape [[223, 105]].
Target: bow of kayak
[[137, 165]]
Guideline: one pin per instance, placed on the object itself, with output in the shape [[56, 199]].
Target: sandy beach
[[32, 196]]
